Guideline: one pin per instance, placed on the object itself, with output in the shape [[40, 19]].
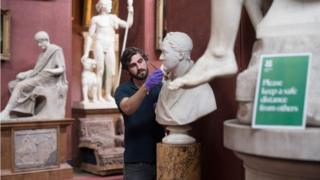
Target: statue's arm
[[24, 75], [254, 10], [89, 41], [123, 23], [59, 64]]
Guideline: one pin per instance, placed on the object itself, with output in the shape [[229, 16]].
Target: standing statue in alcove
[[178, 108], [287, 26], [42, 91], [102, 29]]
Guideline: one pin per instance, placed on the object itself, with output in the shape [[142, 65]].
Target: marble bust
[[101, 37], [282, 26], [178, 108], [42, 91]]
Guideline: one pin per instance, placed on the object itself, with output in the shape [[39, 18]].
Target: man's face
[[43, 43], [169, 56], [137, 67]]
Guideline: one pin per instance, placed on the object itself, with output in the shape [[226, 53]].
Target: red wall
[[28, 17]]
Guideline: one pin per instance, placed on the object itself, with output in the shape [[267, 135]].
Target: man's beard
[[141, 74]]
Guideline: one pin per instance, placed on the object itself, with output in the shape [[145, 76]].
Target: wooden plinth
[[54, 170], [178, 162]]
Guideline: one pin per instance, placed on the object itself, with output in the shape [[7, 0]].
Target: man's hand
[[154, 79]]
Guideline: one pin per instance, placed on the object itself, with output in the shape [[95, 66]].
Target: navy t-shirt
[[142, 132]]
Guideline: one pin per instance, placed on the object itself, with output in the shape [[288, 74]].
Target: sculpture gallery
[[40, 92]]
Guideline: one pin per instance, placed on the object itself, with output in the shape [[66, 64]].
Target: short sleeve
[[120, 94]]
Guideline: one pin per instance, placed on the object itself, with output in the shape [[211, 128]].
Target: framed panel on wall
[[160, 22], [5, 34]]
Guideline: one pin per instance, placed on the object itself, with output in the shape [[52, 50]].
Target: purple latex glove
[[154, 79]]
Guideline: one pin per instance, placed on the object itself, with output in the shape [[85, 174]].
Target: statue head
[[43, 40], [176, 47], [105, 5]]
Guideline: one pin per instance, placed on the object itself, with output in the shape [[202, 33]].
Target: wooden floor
[[81, 175]]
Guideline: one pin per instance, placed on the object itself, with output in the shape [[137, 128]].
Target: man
[[50, 67], [136, 100]]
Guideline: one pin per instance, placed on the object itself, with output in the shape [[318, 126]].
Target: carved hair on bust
[[180, 42]]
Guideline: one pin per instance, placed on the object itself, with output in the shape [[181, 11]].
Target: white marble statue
[[288, 26], [89, 81], [103, 27], [178, 108], [40, 92]]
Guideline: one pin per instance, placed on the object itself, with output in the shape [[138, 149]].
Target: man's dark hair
[[127, 55]]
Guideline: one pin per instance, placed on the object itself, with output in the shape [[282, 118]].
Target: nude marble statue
[[102, 28], [178, 108]]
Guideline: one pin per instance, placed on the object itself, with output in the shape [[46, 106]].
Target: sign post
[[281, 91]]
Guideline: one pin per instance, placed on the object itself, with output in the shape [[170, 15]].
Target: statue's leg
[[25, 85], [110, 60], [99, 57], [219, 58], [85, 90]]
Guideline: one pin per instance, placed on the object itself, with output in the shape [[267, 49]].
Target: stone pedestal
[[178, 161], [34, 150], [275, 154], [98, 147]]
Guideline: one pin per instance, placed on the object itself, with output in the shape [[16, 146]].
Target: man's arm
[[129, 105]]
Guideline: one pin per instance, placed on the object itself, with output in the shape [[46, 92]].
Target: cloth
[[142, 132], [23, 96], [183, 106], [139, 171]]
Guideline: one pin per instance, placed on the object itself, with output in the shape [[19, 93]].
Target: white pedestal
[[275, 154]]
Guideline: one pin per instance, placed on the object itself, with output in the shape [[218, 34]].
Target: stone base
[[178, 162], [98, 144], [278, 169], [95, 169], [34, 149], [275, 154], [63, 172], [102, 161]]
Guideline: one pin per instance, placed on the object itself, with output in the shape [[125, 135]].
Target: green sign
[[281, 91]]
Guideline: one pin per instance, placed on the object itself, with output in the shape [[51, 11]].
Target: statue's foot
[[101, 99], [110, 99], [244, 114], [206, 68]]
